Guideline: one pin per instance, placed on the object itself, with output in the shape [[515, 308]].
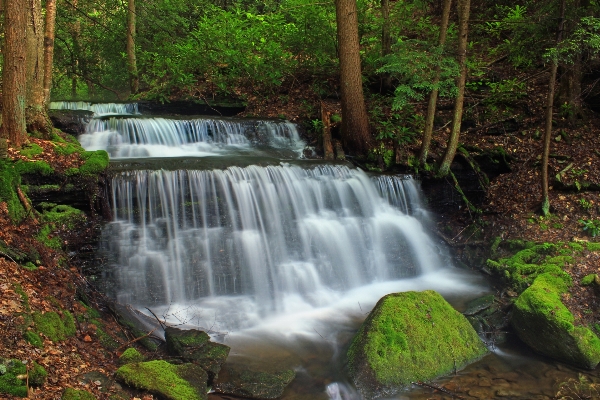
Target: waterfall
[[96, 108], [125, 137]]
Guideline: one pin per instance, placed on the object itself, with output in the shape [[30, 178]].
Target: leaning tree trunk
[[548, 128], [428, 133], [355, 122], [463, 28], [14, 74], [386, 42], [35, 112], [49, 48], [131, 60]]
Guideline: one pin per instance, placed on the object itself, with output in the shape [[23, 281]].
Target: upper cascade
[[133, 137], [97, 108]]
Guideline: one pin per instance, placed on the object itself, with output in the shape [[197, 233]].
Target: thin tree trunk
[[355, 122], [75, 30], [35, 110], [49, 48], [131, 60], [548, 128], [386, 41], [428, 133], [463, 29], [14, 74], [327, 144]]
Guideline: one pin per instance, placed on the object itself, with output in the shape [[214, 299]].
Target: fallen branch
[[136, 339], [162, 324], [26, 204]]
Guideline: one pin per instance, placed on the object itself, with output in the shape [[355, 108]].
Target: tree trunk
[[386, 42], [355, 122], [14, 74], [75, 31], [428, 133], [49, 48], [548, 128], [464, 7], [327, 144], [35, 110], [131, 60]]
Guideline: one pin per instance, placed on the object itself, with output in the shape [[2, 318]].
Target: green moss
[[33, 339], [24, 297], [31, 150], [73, 394], [593, 246], [65, 149], [576, 246], [106, 340], [64, 215], [131, 355], [588, 279], [37, 375], [161, 377], [30, 266], [34, 167], [9, 383], [53, 326], [9, 180], [95, 162], [496, 244], [412, 336], [44, 237]]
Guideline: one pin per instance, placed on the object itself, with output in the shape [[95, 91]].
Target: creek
[[225, 225]]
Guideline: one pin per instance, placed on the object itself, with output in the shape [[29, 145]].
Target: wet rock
[[543, 322], [480, 304], [70, 121], [174, 382], [99, 380], [507, 393], [195, 346], [254, 384], [480, 393], [408, 337]]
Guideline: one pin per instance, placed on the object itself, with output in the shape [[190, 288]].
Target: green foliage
[[580, 388], [585, 38], [585, 204], [9, 383], [46, 237], [591, 226]]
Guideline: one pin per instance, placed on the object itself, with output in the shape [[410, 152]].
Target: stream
[[225, 225]]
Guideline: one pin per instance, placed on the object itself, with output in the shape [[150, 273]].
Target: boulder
[[195, 346], [543, 322], [175, 382], [410, 337], [254, 384]]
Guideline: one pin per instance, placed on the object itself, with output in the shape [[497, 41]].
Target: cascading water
[[260, 251], [96, 108]]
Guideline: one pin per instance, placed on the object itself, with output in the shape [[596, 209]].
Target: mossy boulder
[[175, 382], [254, 384], [195, 346], [408, 337], [131, 355], [543, 322], [10, 373], [55, 327]]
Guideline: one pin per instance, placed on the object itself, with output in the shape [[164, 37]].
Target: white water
[[198, 137], [98, 109]]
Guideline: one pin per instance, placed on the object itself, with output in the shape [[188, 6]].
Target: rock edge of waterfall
[[410, 337]]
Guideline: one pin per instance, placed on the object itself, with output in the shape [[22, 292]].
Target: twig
[[209, 106], [7, 256], [26, 204], [436, 387], [136, 339], [163, 325]]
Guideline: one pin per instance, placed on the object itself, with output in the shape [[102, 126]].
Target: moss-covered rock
[[590, 280], [33, 339], [410, 336], [543, 322], [175, 382], [131, 355], [254, 384], [73, 394], [195, 346], [37, 375], [10, 372], [9, 180], [53, 326]]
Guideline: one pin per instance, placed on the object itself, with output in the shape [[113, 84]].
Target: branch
[[26, 204], [136, 339], [95, 82]]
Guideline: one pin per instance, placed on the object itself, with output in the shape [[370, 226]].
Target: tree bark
[[14, 74], [356, 135], [464, 7], [327, 144], [131, 60], [428, 133], [49, 48], [548, 127], [386, 42], [35, 110]]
